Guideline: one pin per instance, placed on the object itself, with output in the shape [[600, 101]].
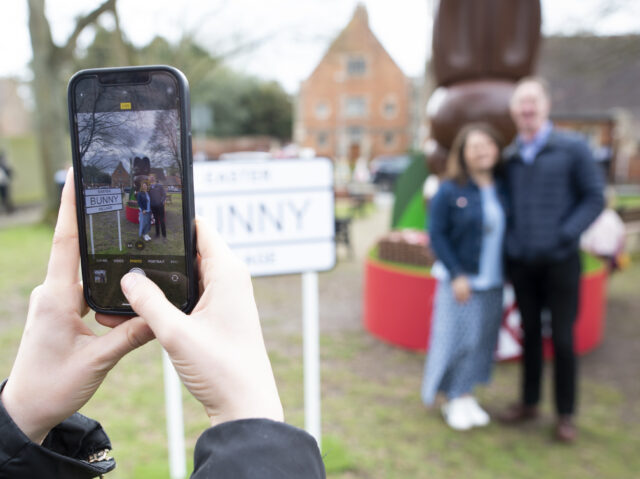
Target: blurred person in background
[[144, 211], [555, 192], [158, 198], [5, 183], [467, 228]]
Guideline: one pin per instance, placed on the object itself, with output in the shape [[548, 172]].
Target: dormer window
[[356, 65]]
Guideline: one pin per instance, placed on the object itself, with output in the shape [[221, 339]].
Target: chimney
[[361, 14]]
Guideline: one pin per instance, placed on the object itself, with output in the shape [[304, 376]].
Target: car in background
[[385, 170]]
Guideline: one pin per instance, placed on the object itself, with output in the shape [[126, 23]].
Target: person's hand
[[61, 362], [461, 289], [217, 350]]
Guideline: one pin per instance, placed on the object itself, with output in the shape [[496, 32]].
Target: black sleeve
[[589, 186], [64, 454], [439, 219], [252, 448]]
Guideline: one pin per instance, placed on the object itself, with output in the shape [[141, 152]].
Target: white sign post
[[175, 422], [100, 200], [278, 216]]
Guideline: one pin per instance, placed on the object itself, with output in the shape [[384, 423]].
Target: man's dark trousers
[[556, 286], [553, 199], [158, 214]]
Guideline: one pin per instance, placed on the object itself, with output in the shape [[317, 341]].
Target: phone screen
[[128, 146]]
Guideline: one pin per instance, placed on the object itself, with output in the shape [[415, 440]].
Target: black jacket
[[250, 448], [553, 200], [157, 195]]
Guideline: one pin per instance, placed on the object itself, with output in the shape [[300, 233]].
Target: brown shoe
[[566, 430], [518, 413]]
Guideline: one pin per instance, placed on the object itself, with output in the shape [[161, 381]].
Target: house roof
[[591, 75], [355, 36]]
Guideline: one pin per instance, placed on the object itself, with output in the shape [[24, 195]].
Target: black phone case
[[188, 208]]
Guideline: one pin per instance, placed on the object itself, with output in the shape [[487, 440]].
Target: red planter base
[[132, 214], [398, 304]]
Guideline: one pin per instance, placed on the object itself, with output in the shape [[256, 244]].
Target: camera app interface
[[128, 139]]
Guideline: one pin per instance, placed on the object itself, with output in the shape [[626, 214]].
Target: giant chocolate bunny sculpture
[[481, 48]]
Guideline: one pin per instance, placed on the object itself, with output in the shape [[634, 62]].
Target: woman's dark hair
[[456, 166]]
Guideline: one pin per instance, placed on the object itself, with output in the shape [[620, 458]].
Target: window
[[322, 110], [322, 139], [355, 133], [355, 106], [389, 108], [356, 66], [389, 138]]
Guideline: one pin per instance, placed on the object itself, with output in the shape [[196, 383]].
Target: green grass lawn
[[374, 425], [27, 184], [105, 232], [628, 201]]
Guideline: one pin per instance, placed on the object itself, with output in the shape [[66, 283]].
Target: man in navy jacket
[[555, 193]]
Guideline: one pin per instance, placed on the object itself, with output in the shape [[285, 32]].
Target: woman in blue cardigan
[[467, 225], [144, 214]]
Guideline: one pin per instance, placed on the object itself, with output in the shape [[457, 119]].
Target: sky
[[136, 134], [290, 36]]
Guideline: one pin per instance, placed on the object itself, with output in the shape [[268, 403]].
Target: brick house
[[356, 101], [120, 177]]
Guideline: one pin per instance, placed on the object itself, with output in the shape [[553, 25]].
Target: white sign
[[278, 215], [99, 200]]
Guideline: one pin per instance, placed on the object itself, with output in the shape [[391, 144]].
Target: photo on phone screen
[[129, 149]]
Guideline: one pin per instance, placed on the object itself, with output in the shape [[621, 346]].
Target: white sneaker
[[479, 417], [147, 238], [456, 414]]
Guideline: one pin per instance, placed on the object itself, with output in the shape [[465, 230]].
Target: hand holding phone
[[61, 362], [217, 350]]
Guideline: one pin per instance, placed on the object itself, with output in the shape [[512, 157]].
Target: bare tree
[[49, 64], [164, 143]]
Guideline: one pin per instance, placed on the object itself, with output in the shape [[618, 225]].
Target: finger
[[122, 339], [111, 321], [150, 303], [210, 244], [65, 255], [217, 261]]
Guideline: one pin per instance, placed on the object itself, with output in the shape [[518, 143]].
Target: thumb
[[150, 303], [124, 338]]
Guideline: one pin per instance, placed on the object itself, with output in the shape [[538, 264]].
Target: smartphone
[[131, 144]]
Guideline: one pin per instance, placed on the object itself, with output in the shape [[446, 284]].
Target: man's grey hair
[[542, 82]]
